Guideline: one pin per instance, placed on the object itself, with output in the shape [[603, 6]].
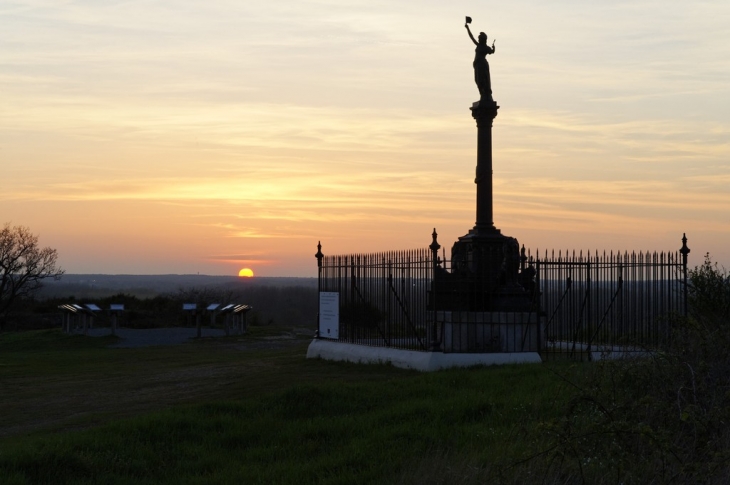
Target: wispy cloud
[[194, 129]]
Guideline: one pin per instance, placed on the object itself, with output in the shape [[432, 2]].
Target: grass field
[[252, 409]]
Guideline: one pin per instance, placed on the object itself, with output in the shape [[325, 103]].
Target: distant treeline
[[149, 308], [147, 286]]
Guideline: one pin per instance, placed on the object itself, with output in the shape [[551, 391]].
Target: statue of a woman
[[481, 66]]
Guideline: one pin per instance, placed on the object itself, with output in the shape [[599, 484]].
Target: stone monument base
[[411, 359], [496, 332]]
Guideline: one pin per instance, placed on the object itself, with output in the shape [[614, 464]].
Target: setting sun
[[246, 273]]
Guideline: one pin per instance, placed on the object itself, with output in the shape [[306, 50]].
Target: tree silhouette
[[23, 266]]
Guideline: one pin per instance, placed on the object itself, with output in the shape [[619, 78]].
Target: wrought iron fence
[[582, 305], [596, 305], [383, 297]]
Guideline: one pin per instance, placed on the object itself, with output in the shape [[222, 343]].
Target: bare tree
[[23, 266]]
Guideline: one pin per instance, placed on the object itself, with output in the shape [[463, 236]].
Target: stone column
[[485, 263], [484, 113]]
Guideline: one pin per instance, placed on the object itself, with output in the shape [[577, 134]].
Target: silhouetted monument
[[485, 263]]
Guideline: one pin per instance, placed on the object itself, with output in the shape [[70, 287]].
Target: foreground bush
[[658, 420]]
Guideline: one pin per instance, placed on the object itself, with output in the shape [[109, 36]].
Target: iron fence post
[[685, 252], [537, 297], [434, 247], [588, 314], [319, 257]]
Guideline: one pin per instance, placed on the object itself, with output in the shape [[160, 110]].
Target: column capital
[[484, 110]]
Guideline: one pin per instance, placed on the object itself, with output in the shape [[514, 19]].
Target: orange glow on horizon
[[246, 273]]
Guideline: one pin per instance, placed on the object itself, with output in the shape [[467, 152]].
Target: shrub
[[659, 419], [709, 292]]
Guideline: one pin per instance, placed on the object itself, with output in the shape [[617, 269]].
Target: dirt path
[[132, 338], [135, 338]]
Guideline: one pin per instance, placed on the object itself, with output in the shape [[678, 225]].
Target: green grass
[[225, 411]]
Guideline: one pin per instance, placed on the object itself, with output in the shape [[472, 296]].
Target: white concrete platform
[[601, 351], [411, 359]]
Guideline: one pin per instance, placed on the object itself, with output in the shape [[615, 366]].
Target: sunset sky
[[149, 137]]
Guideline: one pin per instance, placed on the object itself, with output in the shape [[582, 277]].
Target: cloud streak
[[221, 128]]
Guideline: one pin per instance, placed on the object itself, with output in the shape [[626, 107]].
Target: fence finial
[[685, 249], [435, 246], [319, 254]]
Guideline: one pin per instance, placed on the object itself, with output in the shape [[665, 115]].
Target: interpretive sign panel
[[329, 314]]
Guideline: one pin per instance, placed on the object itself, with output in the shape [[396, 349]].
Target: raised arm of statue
[[470, 34]]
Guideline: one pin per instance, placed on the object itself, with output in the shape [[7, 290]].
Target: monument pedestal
[[485, 266], [503, 332], [485, 263]]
